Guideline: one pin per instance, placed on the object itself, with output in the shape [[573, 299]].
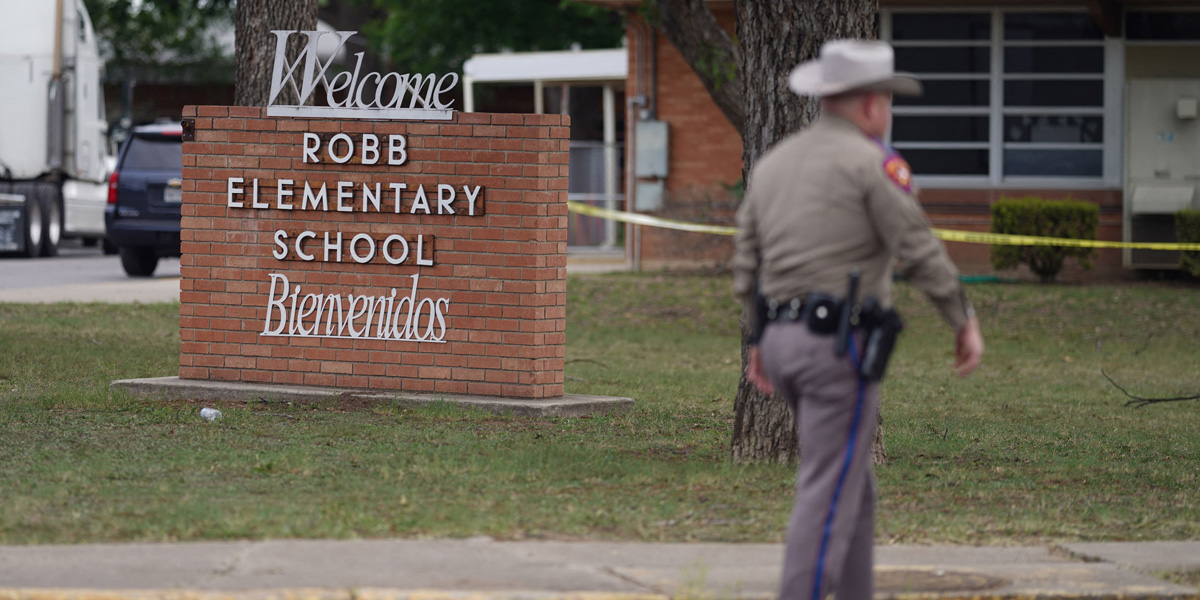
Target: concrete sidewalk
[[482, 569]]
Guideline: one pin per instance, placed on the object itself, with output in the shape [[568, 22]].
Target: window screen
[[944, 131], [1053, 95], [1008, 94]]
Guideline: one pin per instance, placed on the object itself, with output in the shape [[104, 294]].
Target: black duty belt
[[821, 312], [824, 314], [817, 310]]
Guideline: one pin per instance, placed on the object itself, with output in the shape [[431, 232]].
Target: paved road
[[82, 274]]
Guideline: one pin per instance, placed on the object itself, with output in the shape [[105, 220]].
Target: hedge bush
[[1075, 219], [1187, 231]]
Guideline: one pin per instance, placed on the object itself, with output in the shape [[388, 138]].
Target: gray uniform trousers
[[830, 539]]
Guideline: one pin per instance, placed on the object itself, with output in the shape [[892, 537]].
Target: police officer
[[821, 204]]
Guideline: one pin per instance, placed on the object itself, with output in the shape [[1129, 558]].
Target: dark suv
[[144, 195]]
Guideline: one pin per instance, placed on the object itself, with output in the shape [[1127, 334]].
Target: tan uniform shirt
[[826, 200]]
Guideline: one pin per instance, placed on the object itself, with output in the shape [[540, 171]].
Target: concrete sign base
[[174, 388]]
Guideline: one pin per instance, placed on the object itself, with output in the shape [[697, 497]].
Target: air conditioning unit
[[1150, 213]]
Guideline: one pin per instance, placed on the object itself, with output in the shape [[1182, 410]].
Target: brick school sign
[[388, 255]]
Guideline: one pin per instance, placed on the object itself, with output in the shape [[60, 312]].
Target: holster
[[880, 329], [759, 318]]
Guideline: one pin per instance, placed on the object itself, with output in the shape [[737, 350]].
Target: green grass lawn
[[1036, 446]]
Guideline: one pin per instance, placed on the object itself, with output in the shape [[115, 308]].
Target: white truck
[[54, 154]]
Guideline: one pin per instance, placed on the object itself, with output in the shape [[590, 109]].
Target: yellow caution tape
[[1004, 239], [950, 235], [636, 219]]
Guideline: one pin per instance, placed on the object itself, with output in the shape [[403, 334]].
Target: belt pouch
[[820, 313]]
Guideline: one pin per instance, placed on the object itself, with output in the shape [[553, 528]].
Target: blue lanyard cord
[[851, 440]]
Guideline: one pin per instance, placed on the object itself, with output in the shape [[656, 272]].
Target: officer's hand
[[968, 348], [754, 372]]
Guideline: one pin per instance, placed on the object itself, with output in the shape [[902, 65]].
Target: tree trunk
[[255, 44], [774, 38], [764, 429]]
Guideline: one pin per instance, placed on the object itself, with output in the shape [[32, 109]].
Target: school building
[[1094, 100]]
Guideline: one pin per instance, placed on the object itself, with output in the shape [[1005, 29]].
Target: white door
[[1162, 164]]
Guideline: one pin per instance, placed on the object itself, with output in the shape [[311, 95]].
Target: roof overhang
[[1052, 3], [566, 66], [1107, 13], [626, 4]]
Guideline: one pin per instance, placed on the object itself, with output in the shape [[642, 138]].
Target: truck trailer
[[54, 153]]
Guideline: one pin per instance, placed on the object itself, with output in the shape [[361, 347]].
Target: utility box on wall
[[1162, 169], [650, 164], [652, 141]]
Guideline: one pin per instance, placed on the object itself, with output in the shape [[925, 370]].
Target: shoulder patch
[[898, 171]]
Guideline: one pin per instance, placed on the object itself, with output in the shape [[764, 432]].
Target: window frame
[[1111, 110]]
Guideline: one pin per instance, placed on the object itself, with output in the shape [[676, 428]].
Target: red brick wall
[[502, 272], [705, 152], [704, 149]]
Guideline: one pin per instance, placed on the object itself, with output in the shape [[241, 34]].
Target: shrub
[[1187, 231], [1075, 219]]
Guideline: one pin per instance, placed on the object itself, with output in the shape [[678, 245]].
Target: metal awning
[[569, 65]]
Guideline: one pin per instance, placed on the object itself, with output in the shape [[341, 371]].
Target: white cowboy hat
[[852, 65]]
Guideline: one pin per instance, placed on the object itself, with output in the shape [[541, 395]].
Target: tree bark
[[255, 44], [764, 429], [774, 38], [707, 48]]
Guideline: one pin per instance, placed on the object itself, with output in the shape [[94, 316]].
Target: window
[[946, 131], [1053, 81], [1009, 96], [153, 154], [1162, 26]]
